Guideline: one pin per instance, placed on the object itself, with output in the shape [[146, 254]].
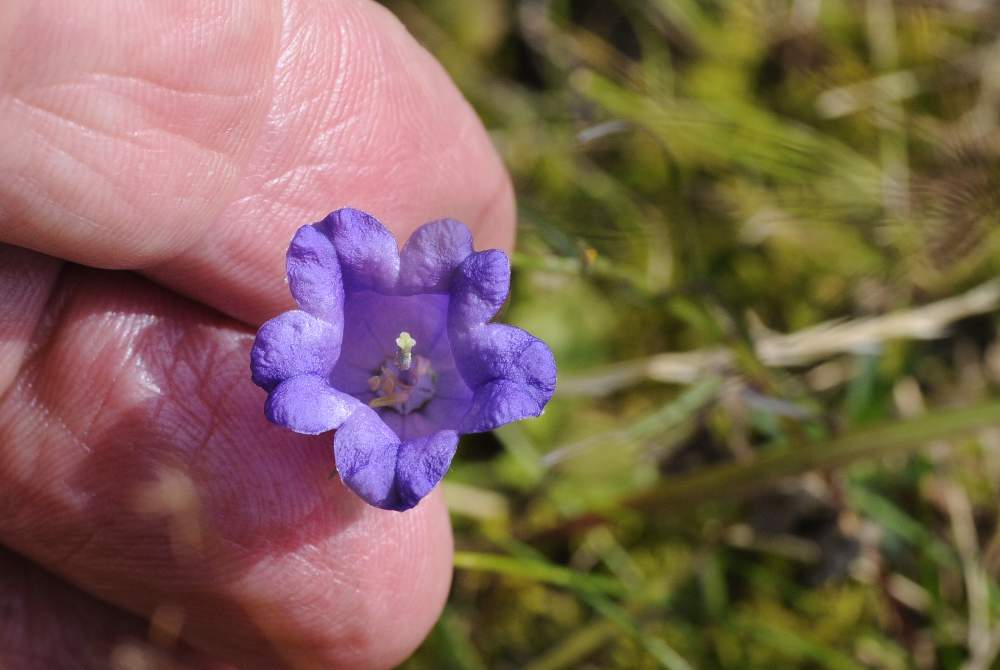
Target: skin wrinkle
[[50, 417], [148, 64], [293, 175], [172, 89], [25, 304], [65, 120], [219, 32], [254, 137], [45, 325], [367, 86], [95, 85], [43, 140], [125, 363], [19, 224], [330, 75], [94, 226]]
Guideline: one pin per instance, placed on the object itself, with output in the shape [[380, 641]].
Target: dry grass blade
[[800, 348]]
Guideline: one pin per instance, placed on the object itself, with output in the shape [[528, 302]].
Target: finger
[[135, 462], [46, 623], [198, 138], [121, 154]]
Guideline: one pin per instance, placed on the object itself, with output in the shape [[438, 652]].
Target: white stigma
[[404, 350]]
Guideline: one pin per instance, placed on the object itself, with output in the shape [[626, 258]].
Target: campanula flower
[[395, 351]]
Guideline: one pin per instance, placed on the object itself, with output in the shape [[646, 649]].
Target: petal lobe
[[290, 344], [431, 256], [479, 288], [421, 464], [365, 450], [307, 404], [367, 251], [314, 274]]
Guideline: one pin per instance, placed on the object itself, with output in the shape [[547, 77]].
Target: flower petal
[[367, 251], [409, 426], [365, 450], [291, 344], [500, 402], [373, 321], [431, 255], [496, 353], [499, 351], [314, 274], [421, 464], [308, 404], [446, 413], [478, 289], [384, 472]]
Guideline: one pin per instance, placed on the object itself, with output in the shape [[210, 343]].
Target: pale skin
[[185, 142]]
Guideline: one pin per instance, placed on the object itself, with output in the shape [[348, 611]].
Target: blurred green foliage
[[720, 483]]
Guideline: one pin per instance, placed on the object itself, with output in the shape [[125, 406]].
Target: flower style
[[394, 350]]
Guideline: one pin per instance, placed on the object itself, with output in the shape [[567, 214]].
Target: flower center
[[405, 382]]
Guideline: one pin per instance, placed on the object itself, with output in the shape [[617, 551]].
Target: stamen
[[403, 390], [384, 401]]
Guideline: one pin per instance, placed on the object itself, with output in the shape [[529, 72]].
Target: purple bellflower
[[394, 350]]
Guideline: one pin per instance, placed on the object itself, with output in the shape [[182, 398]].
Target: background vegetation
[[761, 238]]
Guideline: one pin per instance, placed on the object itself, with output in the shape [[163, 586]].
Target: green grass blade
[[538, 571]]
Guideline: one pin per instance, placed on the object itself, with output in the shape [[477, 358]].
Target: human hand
[[186, 142]]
